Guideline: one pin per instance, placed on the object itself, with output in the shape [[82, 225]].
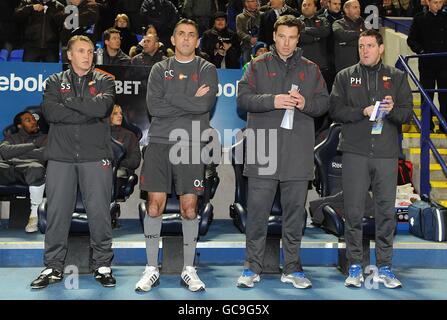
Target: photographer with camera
[[221, 44], [247, 27]]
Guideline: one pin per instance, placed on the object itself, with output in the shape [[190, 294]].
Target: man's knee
[[189, 212], [154, 209], [35, 175]]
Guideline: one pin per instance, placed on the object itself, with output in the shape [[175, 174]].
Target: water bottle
[[99, 55]]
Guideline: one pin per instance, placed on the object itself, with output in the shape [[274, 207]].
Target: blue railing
[[399, 24], [424, 125]]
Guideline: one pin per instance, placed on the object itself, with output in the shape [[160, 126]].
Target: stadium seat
[[328, 183], [4, 55], [16, 55]]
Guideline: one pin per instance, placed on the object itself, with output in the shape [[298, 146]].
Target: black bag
[[427, 220]]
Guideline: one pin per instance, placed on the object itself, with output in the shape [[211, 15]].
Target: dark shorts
[[158, 173]]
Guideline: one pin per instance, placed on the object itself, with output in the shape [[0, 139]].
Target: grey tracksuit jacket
[[357, 87], [77, 109], [267, 76]]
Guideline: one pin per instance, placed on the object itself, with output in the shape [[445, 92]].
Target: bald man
[[346, 35]]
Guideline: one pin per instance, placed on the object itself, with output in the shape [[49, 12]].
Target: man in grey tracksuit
[[265, 91], [77, 104], [370, 150], [346, 35]]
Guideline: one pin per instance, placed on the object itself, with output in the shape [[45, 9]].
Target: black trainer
[[104, 276], [46, 277]]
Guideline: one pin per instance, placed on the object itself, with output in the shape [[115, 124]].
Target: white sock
[[36, 197]]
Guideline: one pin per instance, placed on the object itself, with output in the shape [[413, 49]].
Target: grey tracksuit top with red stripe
[[267, 76]]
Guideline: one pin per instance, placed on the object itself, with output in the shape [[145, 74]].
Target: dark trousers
[[41, 55], [432, 77], [27, 173], [359, 173], [261, 193], [95, 183]]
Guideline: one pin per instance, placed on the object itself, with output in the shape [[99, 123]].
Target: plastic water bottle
[[99, 55]]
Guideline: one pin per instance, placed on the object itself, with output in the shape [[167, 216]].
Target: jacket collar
[[293, 59]]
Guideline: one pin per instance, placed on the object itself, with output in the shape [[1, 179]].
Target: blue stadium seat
[[140, 37], [16, 55], [4, 55]]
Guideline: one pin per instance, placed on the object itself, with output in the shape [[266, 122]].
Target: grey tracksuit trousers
[[261, 193], [359, 173], [95, 183]]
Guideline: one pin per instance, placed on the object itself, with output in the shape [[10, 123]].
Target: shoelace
[[386, 271], [355, 271]]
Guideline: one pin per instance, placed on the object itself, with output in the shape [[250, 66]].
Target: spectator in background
[[88, 11], [201, 11], [42, 20], [113, 55], [268, 19], [346, 35], [313, 37], [22, 161], [128, 38], [8, 25], [132, 9], [222, 44], [323, 5], [332, 13], [151, 54], [259, 49], [247, 27], [128, 139], [163, 15], [313, 42], [150, 29], [428, 34]]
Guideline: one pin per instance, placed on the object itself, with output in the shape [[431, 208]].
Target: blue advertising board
[[22, 85]]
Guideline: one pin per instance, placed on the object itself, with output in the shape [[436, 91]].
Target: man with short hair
[[370, 150], [180, 94], [22, 161], [346, 35], [278, 8], [282, 92], [77, 104], [145, 61], [113, 55]]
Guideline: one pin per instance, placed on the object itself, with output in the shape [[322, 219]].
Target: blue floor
[[419, 284]]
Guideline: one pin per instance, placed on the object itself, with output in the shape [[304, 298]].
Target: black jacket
[[121, 59], [132, 158], [88, 17], [313, 40], [128, 39], [356, 88], [163, 15], [212, 37], [145, 62], [21, 146], [346, 37], [78, 110], [428, 34], [41, 29], [268, 20]]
